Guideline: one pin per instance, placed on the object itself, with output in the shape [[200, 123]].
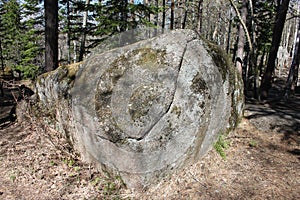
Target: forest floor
[[262, 161]]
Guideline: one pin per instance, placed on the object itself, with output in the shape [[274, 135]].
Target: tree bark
[[163, 15], [293, 73], [156, 14], [2, 68], [51, 35], [199, 16], [186, 8], [172, 15], [242, 22], [1, 56], [252, 68], [83, 36], [241, 37], [276, 39], [229, 32], [68, 32]]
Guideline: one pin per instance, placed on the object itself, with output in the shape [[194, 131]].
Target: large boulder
[[147, 108]]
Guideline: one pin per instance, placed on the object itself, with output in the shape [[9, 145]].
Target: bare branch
[[243, 24]]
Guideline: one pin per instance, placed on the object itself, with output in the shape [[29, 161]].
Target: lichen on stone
[[198, 85], [176, 110], [142, 99], [150, 58]]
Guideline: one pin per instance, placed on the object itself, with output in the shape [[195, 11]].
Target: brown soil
[[262, 162]]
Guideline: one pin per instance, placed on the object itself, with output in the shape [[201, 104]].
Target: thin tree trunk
[[293, 73], [1, 56], [68, 32], [252, 64], [186, 8], [242, 22], [215, 32], [156, 17], [241, 38], [276, 39], [199, 17], [163, 15], [172, 15], [2, 68], [51, 35], [229, 32], [83, 36], [75, 51], [258, 74]]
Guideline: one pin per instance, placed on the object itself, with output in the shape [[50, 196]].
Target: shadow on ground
[[8, 102], [277, 114]]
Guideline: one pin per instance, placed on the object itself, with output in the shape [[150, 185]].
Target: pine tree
[[11, 33], [20, 36], [31, 54]]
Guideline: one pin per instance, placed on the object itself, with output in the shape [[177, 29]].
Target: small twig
[[237, 137], [194, 177], [16, 99]]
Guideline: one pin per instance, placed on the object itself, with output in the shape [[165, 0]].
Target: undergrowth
[[221, 145]]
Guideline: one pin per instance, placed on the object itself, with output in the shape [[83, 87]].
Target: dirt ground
[[262, 162]]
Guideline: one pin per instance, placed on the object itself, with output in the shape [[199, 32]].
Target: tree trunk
[[293, 73], [75, 51], [276, 39], [199, 17], [83, 36], [51, 35], [186, 8], [172, 15], [164, 15], [241, 38], [156, 16], [68, 32], [124, 17], [1, 56], [252, 68], [229, 33], [2, 68]]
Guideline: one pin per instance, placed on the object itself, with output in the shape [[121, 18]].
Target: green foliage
[[20, 36], [11, 32], [52, 163], [109, 188], [12, 177], [264, 12], [221, 145], [95, 181], [69, 162], [119, 16], [253, 143]]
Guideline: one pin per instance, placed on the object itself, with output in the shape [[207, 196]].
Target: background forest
[[260, 36]]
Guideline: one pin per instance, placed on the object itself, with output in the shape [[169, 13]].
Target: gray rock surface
[[147, 108]]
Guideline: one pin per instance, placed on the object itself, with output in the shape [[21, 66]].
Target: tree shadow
[[9, 100], [277, 114]]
